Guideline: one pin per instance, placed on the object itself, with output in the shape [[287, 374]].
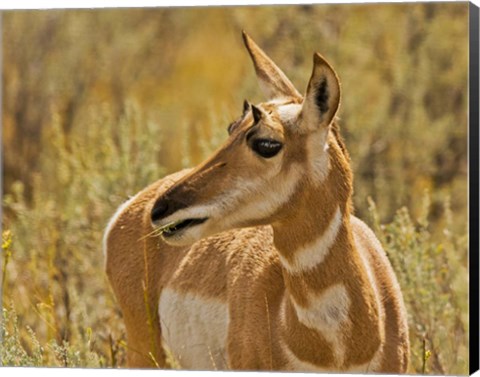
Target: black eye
[[266, 148]]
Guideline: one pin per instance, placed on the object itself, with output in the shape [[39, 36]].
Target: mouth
[[176, 227]]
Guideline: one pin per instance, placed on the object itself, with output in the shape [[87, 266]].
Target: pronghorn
[[253, 259]]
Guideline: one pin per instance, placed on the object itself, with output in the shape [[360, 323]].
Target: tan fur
[[344, 312]]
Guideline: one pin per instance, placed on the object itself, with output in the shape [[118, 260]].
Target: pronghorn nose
[[160, 209]]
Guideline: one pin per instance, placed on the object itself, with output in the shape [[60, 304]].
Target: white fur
[[328, 314], [317, 155], [193, 234], [289, 113], [315, 252], [113, 220], [194, 329], [279, 101], [194, 212]]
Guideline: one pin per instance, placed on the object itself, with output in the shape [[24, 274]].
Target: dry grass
[[97, 104]]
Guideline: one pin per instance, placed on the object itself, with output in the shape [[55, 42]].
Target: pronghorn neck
[[320, 215], [312, 236], [323, 272], [303, 247]]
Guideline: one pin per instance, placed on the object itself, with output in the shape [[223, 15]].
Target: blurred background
[[99, 103]]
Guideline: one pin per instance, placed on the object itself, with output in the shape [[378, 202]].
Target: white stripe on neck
[[328, 313], [314, 253]]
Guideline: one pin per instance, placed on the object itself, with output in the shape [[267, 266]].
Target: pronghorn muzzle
[[162, 208], [165, 207]]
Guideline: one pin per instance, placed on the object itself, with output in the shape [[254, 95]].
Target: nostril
[[159, 210]]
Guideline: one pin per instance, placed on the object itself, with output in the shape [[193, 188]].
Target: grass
[[115, 110], [434, 279]]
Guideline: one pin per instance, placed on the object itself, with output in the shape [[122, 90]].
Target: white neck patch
[[314, 253], [328, 313]]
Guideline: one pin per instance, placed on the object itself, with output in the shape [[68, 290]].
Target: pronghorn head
[[275, 150]]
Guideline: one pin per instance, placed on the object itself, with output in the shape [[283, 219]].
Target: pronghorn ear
[[273, 81], [323, 95]]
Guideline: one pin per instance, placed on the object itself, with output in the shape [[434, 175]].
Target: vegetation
[[98, 104]]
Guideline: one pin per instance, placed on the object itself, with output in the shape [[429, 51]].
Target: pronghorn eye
[[266, 147]]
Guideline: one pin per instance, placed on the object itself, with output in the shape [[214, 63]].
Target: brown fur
[[243, 268], [234, 271]]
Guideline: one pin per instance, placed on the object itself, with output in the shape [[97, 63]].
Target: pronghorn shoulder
[[240, 250], [210, 266], [219, 265]]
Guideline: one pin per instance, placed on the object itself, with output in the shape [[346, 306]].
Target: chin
[[186, 237], [179, 240]]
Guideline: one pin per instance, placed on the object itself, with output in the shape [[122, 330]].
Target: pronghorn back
[[253, 259]]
